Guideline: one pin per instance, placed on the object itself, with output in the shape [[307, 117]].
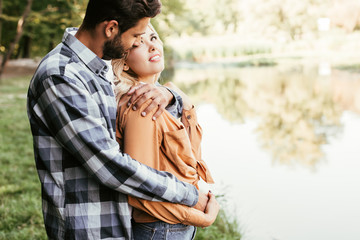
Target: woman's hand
[[202, 202], [187, 104], [211, 210], [161, 97]]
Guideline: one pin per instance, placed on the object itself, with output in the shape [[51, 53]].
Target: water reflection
[[294, 108]]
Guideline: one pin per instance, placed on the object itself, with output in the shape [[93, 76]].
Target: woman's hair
[[126, 12], [123, 81]]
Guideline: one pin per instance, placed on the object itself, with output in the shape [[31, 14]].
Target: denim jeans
[[163, 231]]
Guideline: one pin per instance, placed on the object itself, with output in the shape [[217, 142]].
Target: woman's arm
[[177, 213], [189, 119], [141, 139], [194, 130]]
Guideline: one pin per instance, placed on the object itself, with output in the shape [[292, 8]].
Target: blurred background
[[277, 88]]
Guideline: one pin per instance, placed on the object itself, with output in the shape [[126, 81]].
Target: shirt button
[[97, 71], [188, 117]]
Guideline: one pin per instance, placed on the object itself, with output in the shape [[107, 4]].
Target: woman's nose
[[151, 47]]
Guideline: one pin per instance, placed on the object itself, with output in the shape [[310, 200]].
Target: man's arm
[[74, 119]]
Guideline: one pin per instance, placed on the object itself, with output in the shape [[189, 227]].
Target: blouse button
[[188, 117]]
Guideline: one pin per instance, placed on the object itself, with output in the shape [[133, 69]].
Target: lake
[[282, 143]]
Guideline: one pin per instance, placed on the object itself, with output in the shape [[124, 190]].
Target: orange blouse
[[166, 145]]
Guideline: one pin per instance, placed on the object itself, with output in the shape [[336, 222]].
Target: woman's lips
[[155, 58]]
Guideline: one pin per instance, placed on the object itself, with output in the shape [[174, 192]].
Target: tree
[[19, 32], [45, 26]]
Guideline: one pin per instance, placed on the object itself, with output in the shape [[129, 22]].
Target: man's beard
[[113, 49]]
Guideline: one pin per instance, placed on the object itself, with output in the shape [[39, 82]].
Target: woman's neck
[[147, 79]]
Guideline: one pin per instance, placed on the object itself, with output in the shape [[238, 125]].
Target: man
[[72, 110]]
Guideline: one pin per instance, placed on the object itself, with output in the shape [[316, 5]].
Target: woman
[[165, 144]]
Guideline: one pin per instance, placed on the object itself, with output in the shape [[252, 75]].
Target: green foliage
[[45, 25], [286, 20], [189, 17], [223, 228], [349, 67], [261, 62]]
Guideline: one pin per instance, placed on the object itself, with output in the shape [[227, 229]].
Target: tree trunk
[[1, 21], [19, 32], [26, 47]]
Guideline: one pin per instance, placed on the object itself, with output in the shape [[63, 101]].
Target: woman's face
[[147, 59]]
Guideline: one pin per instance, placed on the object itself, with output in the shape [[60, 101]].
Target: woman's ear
[[126, 67]]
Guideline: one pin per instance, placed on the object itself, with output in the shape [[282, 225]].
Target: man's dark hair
[[126, 12]]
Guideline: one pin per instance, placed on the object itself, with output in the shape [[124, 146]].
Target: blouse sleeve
[[194, 130], [141, 141]]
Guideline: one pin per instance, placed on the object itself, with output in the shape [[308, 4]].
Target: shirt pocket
[[176, 147]]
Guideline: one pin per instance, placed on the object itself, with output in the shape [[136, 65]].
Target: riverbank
[[20, 67]]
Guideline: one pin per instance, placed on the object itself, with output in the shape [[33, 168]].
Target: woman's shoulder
[[127, 112], [165, 121]]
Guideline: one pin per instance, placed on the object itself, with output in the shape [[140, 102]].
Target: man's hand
[[161, 97], [202, 202]]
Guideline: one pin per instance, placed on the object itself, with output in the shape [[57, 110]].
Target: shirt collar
[[91, 60]]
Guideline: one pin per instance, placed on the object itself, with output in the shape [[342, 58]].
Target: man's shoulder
[[60, 62], [55, 61]]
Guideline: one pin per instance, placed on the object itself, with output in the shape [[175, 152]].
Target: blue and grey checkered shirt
[[84, 176]]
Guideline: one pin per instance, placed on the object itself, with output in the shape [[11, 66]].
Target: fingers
[[143, 98], [155, 104], [137, 91], [212, 205], [202, 202], [160, 109], [141, 93], [211, 210]]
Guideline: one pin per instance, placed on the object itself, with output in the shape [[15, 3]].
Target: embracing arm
[[74, 118]]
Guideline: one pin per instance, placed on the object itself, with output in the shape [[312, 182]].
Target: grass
[[224, 228], [20, 196], [20, 204]]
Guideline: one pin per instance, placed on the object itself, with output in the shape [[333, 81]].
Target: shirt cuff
[[189, 117], [192, 197]]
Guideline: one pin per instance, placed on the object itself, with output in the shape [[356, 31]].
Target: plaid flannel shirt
[[84, 176]]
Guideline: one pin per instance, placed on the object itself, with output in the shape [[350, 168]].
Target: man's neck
[[92, 40]]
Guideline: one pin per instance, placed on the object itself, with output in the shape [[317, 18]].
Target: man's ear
[[111, 28]]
